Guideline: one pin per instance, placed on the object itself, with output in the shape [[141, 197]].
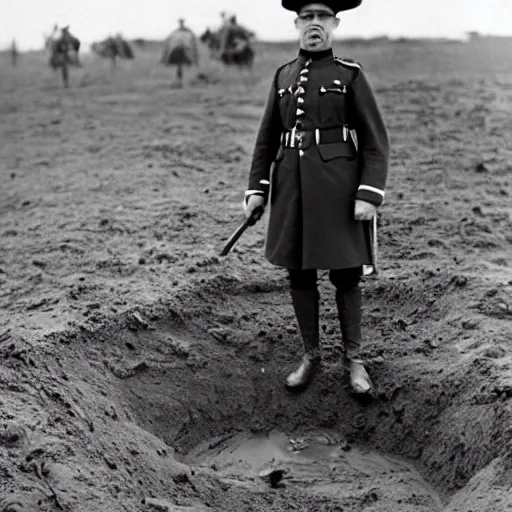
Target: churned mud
[[325, 467], [140, 371]]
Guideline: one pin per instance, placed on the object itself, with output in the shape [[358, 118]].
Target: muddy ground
[[140, 371]]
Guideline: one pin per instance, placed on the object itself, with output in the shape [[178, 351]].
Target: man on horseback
[[235, 43]]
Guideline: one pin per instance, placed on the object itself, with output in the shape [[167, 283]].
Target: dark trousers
[[344, 279], [304, 291]]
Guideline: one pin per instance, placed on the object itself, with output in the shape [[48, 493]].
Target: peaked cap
[[336, 5]]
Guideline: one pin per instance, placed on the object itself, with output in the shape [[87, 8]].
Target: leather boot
[[349, 312], [359, 378], [306, 306]]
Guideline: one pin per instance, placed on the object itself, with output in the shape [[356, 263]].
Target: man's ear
[[296, 22], [336, 22]]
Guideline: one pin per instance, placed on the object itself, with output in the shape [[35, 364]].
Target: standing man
[[181, 50], [64, 52], [324, 135]]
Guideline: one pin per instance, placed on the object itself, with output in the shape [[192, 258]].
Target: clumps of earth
[[140, 371]]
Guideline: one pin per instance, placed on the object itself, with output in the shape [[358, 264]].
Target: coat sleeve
[[267, 142], [373, 142]]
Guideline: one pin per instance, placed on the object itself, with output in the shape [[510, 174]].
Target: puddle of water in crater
[[319, 463]]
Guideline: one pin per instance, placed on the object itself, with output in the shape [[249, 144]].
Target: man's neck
[[317, 54]]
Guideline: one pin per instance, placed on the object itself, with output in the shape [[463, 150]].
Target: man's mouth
[[314, 38], [314, 34]]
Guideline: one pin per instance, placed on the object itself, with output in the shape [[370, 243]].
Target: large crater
[[182, 406]]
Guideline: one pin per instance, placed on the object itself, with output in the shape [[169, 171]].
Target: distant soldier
[[64, 52], [181, 50], [14, 53], [73, 44]]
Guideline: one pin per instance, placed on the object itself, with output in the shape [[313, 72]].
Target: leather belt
[[302, 139]]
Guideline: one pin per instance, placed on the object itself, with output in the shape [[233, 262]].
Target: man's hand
[[364, 210], [253, 201]]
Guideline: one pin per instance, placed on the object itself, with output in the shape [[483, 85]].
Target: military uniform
[[322, 144], [324, 133]]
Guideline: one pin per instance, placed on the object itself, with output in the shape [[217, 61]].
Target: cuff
[[249, 193], [370, 194]]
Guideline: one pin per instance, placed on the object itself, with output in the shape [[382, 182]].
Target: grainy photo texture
[[256, 256]]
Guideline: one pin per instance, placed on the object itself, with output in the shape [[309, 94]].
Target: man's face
[[316, 24]]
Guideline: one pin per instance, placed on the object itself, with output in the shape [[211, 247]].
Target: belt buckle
[[299, 138]]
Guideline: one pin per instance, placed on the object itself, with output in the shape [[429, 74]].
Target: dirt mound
[[132, 402]]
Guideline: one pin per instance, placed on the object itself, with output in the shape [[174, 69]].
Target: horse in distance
[[113, 48], [231, 44]]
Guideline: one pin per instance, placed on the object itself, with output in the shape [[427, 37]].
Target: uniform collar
[[316, 55]]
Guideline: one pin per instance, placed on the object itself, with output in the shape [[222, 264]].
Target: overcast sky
[[28, 20]]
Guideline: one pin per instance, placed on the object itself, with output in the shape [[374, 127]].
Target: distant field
[[395, 59]]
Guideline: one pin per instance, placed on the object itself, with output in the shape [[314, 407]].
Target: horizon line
[[470, 34]]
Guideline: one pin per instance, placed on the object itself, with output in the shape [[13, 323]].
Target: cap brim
[[336, 6]]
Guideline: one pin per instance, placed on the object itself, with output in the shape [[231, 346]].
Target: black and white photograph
[[256, 256]]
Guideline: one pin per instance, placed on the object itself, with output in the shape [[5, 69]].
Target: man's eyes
[[320, 16]]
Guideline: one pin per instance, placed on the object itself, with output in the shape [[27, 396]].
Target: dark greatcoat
[[314, 185]]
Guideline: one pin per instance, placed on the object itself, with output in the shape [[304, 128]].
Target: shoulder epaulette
[[285, 64], [348, 62], [280, 68]]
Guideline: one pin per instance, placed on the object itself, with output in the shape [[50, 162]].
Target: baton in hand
[[255, 216]]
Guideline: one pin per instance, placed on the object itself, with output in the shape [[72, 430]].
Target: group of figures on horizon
[[63, 50], [231, 43]]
